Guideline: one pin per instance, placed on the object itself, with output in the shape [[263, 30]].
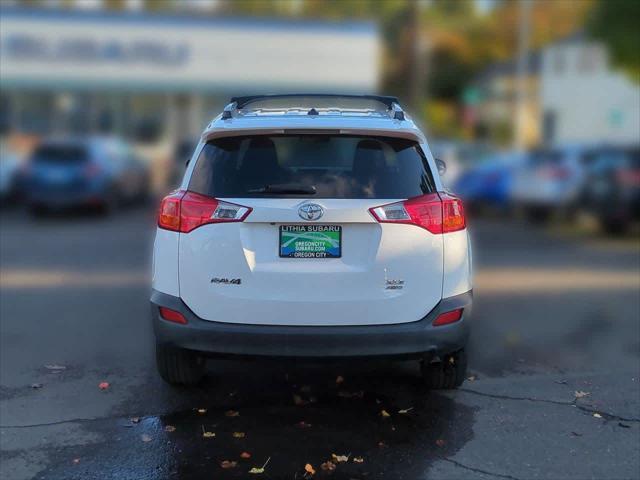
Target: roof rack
[[238, 103]]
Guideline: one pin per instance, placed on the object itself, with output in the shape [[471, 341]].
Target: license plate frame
[[311, 249]]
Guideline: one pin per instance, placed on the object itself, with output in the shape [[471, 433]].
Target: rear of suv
[[312, 226]]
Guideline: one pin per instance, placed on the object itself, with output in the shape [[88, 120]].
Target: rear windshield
[[60, 154], [318, 166], [542, 158]]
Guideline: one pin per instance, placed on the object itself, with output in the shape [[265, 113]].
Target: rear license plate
[[310, 241]]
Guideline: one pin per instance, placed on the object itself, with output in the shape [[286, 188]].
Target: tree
[[615, 23]]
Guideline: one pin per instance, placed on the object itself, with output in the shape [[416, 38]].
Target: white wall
[[592, 103]]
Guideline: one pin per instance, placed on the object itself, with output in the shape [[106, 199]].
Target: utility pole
[[417, 72], [523, 50]]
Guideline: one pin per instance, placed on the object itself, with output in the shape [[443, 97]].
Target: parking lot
[[553, 392]]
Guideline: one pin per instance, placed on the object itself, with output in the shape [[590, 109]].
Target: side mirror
[[442, 167]]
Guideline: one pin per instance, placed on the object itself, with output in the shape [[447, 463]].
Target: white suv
[[312, 226]]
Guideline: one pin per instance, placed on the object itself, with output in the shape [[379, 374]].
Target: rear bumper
[[419, 338], [66, 199]]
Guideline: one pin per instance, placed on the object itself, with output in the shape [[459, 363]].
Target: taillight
[[172, 315], [186, 211], [92, 170], [556, 173], [437, 213], [629, 178], [448, 317]]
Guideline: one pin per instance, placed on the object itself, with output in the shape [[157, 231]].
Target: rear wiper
[[286, 188]]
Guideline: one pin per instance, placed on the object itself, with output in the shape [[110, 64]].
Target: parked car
[[550, 181], [312, 226], [102, 173], [459, 157], [489, 184], [611, 190], [181, 156], [9, 174]]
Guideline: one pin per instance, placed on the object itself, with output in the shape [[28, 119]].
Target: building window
[[559, 62], [549, 125], [588, 60], [5, 115]]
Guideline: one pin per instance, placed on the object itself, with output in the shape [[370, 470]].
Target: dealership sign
[[26, 47], [53, 49]]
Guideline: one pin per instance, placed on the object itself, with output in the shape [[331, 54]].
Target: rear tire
[[446, 374], [178, 366]]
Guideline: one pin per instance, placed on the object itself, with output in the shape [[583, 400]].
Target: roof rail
[[388, 101]]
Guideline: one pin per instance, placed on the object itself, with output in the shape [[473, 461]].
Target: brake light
[[172, 315], [185, 211], [448, 317], [556, 173], [92, 170], [437, 213], [629, 178]]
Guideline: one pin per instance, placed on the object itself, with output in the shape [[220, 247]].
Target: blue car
[[101, 173], [488, 184]]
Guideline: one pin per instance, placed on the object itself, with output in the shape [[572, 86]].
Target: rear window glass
[[541, 158], [60, 154], [319, 165]]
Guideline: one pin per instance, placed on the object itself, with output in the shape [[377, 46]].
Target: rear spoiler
[[408, 133]]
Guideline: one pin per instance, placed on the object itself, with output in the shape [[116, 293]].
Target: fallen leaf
[[169, 428], [135, 419], [303, 424], [245, 455], [202, 410], [228, 464], [232, 413], [358, 460], [297, 400], [620, 424], [55, 367], [471, 378], [103, 385], [328, 466], [340, 458], [36, 385], [238, 434], [384, 414], [309, 469], [597, 415], [207, 434], [257, 470], [440, 442], [339, 379], [145, 438], [581, 394], [405, 410]]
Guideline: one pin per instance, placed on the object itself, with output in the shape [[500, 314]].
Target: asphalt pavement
[[553, 389]]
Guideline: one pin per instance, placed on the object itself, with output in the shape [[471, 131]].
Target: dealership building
[[157, 80]]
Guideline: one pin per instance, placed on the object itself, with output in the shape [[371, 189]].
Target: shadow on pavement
[[292, 419]]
